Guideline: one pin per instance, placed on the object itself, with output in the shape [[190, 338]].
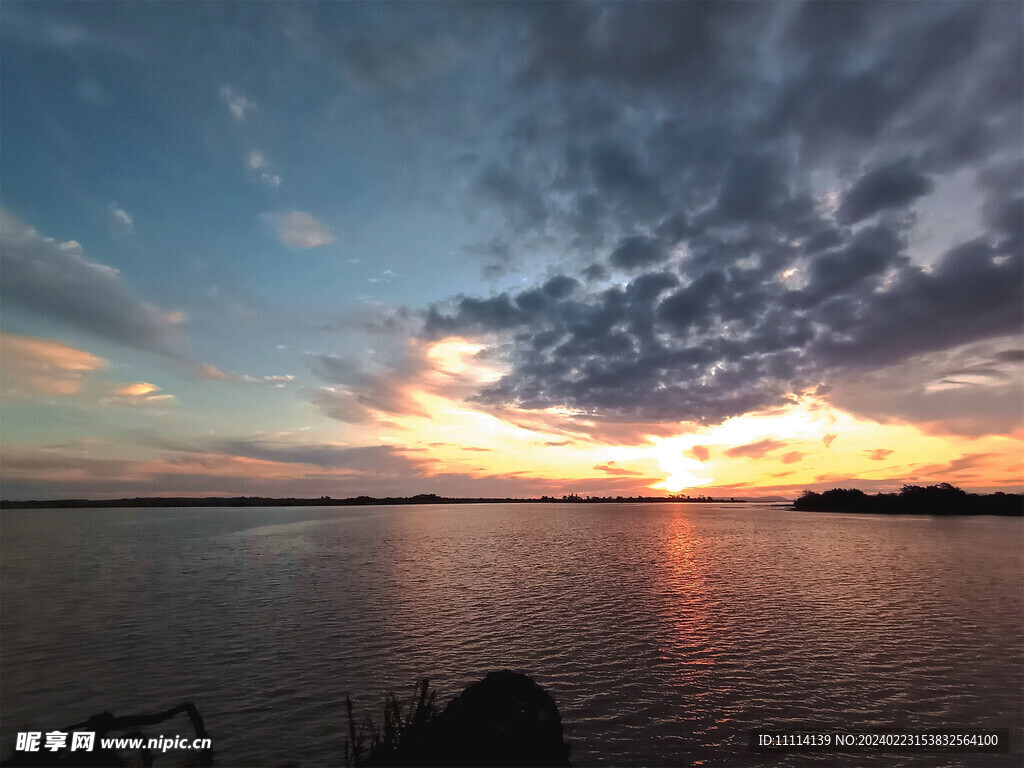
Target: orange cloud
[[139, 393], [878, 454], [138, 389], [426, 404], [754, 450], [34, 366], [612, 469], [700, 452]]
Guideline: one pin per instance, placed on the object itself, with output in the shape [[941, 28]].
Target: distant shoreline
[[942, 500], [357, 501]]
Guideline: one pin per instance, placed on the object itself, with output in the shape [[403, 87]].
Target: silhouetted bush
[[506, 719], [941, 499]]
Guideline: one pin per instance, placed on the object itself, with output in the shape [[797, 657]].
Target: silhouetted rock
[[506, 719]]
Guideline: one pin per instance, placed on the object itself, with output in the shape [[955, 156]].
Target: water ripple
[[664, 632]]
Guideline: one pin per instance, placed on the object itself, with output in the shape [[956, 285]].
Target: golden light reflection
[[685, 592]]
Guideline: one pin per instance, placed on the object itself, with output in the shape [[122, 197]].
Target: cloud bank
[[738, 190]]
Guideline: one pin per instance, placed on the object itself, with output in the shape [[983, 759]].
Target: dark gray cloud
[[635, 251], [56, 280], [632, 46], [894, 185], [867, 254], [520, 200], [763, 193], [560, 286], [381, 460]]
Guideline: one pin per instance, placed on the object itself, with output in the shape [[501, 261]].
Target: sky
[[497, 249]]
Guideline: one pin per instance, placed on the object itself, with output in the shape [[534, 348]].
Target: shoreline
[[358, 501]]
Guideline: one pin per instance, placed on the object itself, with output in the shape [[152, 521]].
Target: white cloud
[[238, 105], [120, 219], [262, 170], [208, 371], [276, 381], [296, 229]]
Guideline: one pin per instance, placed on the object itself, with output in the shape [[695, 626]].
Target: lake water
[[664, 632]]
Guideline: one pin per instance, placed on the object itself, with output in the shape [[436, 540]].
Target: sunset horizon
[[420, 258], [574, 383]]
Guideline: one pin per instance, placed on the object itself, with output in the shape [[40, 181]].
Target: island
[[941, 499]]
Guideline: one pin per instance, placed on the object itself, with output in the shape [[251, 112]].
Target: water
[[664, 632]]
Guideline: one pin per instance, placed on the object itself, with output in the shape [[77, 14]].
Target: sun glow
[[806, 443], [453, 355]]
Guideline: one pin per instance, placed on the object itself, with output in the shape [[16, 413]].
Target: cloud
[[238, 105], [212, 373], [878, 454], [971, 389], [893, 185], [364, 395], [963, 464], [611, 468], [379, 460], [63, 32], [394, 65], [139, 389], [120, 220], [280, 380], [296, 229], [699, 452], [637, 251], [56, 280], [649, 135], [340, 406], [207, 371], [260, 169], [793, 457], [32, 367], [139, 394], [755, 450], [261, 468]]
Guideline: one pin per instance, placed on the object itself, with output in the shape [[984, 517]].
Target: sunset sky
[[510, 250]]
